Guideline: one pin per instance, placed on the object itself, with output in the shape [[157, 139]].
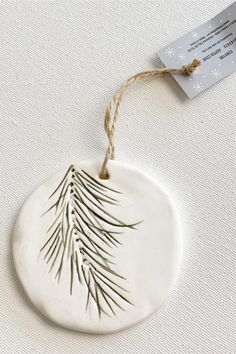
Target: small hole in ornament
[[104, 175]]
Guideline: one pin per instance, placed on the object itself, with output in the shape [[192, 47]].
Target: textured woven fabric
[[60, 62]]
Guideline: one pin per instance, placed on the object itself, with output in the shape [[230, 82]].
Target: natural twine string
[[112, 109]]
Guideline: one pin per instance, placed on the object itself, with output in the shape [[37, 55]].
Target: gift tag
[[214, 43]]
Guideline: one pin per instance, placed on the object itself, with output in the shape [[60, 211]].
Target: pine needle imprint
[[81, 239]]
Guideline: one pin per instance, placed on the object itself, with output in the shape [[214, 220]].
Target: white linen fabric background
[[60, 62]]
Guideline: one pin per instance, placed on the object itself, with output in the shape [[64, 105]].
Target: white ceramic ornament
[[97, 256], [99, 251]]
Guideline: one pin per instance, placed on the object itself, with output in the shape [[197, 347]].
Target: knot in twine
[[112, 110], [189, 69]]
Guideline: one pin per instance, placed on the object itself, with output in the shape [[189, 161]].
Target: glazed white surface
[[60, 63], [149, 256]]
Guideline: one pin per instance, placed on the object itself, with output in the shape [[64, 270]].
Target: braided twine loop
[[112, 110]]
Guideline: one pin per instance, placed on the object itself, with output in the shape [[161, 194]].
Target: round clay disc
[[97, 255]]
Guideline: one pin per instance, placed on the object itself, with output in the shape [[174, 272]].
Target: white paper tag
[[213, 43]]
